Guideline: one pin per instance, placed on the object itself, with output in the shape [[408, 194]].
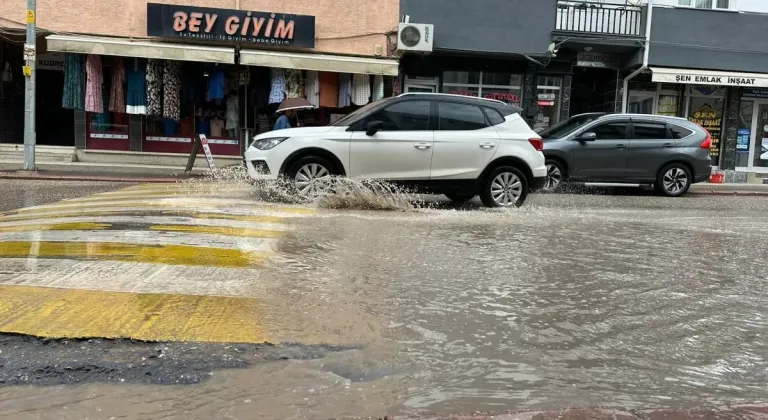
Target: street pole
[[30, 73]]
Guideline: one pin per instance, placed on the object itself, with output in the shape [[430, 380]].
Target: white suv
[[435, 143]]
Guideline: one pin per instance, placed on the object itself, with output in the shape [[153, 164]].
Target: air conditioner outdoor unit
[[415, 37]]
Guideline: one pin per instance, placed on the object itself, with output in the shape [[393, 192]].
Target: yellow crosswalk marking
[[55, 226], [156, 254], [69, 313], [118, 211], [219, 230], [67, 206]]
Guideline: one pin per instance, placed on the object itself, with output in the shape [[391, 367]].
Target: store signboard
[[229, 25], [711, 79], [755, 93], [597, 60], [50, 61]]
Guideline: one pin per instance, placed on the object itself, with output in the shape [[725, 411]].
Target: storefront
[[218, 72], [752, 133]]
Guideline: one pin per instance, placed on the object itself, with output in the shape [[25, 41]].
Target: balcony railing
[[598, 18]]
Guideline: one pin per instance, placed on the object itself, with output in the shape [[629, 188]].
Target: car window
[[562, 128], [460, 117], [494, 116], [403, 116], [650, 131], [610, 131], [679, 132]]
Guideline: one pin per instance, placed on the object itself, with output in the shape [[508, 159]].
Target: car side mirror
[[588, 136], [373, 127]]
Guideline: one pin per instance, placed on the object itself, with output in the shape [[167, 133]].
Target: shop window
[[760, 159], [650, 131], [548, 102], [708, 113], [640, 103], [744, 133], [404, 116], [460, 117], [506, 87]]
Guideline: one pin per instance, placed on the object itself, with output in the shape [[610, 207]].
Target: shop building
[[720, 82], [146, 77]]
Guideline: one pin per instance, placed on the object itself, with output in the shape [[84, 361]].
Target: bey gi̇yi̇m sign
[[227, 25], [713, 79]]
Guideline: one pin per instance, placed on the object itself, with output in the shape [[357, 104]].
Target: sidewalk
[[93, 176], [705, 188]]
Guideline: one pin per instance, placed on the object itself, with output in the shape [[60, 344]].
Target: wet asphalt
[[613, 298]]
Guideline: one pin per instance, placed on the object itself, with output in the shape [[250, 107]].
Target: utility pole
[[30, 74]]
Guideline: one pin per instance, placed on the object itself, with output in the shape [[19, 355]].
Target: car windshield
[[564, 127], [350, 117]]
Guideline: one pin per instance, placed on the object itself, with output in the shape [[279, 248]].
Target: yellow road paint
[[155, 254], [64, 313], [66, 206], [219, 230], [122, 212], [55, 226]]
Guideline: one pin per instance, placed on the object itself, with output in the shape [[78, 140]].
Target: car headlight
[[266, 144]]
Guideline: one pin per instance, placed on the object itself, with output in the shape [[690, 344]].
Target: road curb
[[95, 178], [731, 193]]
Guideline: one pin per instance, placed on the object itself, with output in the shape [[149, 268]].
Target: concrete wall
[[498, 26], [709, 39], [342, 26]]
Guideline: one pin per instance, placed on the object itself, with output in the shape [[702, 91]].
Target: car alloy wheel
[[554, 177], [312, 179], [506, 189], [675, 181]]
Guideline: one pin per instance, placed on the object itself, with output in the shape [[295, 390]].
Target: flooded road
[[573, 300]]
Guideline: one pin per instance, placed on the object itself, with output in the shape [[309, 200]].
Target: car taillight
[[707, 143], [537, 143]]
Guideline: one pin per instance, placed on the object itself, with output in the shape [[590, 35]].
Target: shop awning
[[708, 77], [145, 49], [319, 62]]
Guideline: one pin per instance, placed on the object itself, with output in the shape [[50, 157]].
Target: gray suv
[[667, 152]]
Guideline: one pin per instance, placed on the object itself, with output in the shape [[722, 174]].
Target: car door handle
[[422, 146], [621, 146], [667, 145], [487, 145]]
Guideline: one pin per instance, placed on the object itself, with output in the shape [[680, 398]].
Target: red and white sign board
[[207, 150]]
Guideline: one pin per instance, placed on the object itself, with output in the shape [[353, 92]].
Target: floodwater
[[572, 300]]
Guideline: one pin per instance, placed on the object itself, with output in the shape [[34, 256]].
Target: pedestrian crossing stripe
[[54, 226], [196, 214], [71, 313]]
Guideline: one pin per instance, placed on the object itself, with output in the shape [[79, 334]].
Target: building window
[[506, 87], [706, 4], [548, 102]]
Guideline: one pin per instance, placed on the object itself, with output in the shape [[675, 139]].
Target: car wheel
[[458, 197], [505, 186], [555, 175], [310, 176], [673, 180]]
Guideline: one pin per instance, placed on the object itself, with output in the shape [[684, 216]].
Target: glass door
[[758, 152]]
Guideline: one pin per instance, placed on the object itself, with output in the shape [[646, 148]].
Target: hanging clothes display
[[277, 92], [72, 97], [329, 90], [216, 83], [378, 87], [294, 84], [136, 96], [313, 88], [103, 121], [361, 89], [232, 115], [94, 101], [345, 89], [117, 91], [154, 87], [172, 90]]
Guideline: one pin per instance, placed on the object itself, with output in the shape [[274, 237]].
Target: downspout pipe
[[644, 67]]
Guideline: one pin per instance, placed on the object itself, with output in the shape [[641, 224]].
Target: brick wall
[[342, 26]]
